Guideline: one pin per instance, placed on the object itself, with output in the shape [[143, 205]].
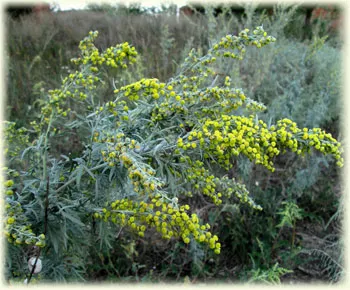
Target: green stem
[[73, 179], [293, 236], [45, 147], [273, 248]]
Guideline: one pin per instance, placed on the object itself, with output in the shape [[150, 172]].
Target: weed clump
[[147, 155]]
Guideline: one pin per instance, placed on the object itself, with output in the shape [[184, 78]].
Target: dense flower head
[[17, 137], [18, 229], [168, 218], [229, 136], [78, 85], [234, 46], [203, 181], [143, 89], [114, 57], [189, 94]]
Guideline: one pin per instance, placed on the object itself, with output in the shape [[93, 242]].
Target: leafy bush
[[151, 164], [300, 81]]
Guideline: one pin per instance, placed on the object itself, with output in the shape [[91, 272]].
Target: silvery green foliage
[[301, 81], [304, 85]]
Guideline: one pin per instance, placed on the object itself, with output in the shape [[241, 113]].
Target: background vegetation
[[298, 236]]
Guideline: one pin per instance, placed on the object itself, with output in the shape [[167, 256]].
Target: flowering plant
[[145, 155]]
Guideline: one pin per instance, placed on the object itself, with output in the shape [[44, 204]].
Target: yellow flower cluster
[[198, 68], [119, 152], [203, 182], [216, 101], [114, 57], [117, 108], [117, 148], [143, 88], [231, 135], [166, 217], [210, 100], [9, 186], [230, 186], [229, 45], [169, 108], [76, 85], [205, 103], [197, 72], [79, 83], [58, 97], [17, 229], [16, 139], [192, 83], [152, 89], [255, 106]]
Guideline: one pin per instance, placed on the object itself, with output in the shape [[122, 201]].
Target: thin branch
[[74, 179], [45, 227]]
